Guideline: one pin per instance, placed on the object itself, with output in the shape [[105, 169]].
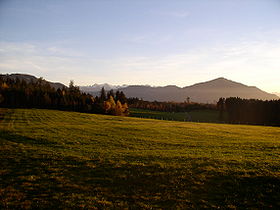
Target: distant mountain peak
[[220, 78], [220, 82], [97, 87]]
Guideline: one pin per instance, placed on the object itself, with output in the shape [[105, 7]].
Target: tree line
[[16, 93], [249, 111], [168, 106]]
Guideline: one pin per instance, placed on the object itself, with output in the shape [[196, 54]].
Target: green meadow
[[192, 116], [56, 159]]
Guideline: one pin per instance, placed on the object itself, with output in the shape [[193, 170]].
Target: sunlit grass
[[56, 159]]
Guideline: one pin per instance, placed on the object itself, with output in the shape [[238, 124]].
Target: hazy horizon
[[151, 85], [155, 43]]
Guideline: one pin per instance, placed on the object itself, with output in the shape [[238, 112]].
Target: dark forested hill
[[26, 91], [29, 78]]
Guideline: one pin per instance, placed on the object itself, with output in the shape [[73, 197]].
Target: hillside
[[54, 159], [29, 78], [206, 92]]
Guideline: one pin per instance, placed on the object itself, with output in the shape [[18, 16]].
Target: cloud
[[14, 48], [64, 52], [7, 48]]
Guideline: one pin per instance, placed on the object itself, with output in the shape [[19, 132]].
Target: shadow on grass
[[16, 138]]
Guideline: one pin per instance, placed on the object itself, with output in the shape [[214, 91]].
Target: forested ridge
[[249, 111], [16, 93]]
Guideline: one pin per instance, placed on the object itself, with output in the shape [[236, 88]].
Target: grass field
[[55, 159], [193, 116]]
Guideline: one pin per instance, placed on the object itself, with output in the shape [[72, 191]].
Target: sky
[[154, 42]]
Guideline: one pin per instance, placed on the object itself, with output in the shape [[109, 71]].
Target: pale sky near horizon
[[155, 42]]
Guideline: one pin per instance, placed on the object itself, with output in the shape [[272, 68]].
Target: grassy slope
[[197, 115], [55, 159]]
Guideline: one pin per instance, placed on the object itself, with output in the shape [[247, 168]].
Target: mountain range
[[97, 87], [205, 92]]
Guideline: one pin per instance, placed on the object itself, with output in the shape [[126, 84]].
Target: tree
[[220, 106], [125, 109], [120, 96], [119, 108], [111, 93], [103, 94], [110, 105], [73, 89], [1, 98]]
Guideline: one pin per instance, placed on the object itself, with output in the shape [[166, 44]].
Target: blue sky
[[152, 42]]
